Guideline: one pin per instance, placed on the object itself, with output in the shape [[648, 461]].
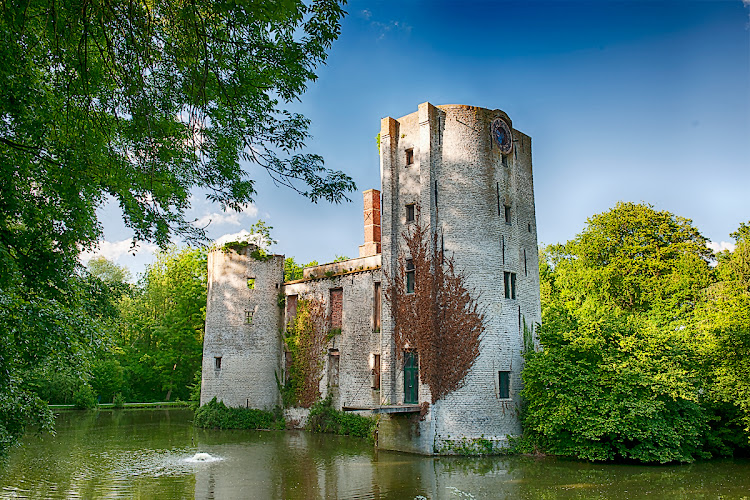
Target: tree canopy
[[626, 371], [143, 103]]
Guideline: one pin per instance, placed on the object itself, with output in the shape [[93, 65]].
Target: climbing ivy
[[305, 338]]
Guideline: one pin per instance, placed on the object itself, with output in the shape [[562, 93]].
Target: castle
[[465, 175]]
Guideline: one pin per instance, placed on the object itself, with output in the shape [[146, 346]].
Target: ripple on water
[[157, 463]]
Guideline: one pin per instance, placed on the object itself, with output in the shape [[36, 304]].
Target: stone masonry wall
[[242, 329]]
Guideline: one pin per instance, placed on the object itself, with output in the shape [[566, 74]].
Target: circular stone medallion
[[502, 134]]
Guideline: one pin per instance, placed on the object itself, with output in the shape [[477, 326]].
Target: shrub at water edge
[[216, 415]]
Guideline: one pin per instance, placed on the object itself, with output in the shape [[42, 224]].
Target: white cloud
[[243, 235], [113, 250], [721, 246], [231, 218]]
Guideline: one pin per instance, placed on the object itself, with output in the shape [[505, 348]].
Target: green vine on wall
[[305, 338]]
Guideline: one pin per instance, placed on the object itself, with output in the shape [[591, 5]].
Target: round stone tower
[[242, 346], [468, 173]]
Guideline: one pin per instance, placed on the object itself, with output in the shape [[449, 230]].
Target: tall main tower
[[468, 173]]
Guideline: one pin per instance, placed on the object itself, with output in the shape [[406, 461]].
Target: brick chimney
[[372, 224]]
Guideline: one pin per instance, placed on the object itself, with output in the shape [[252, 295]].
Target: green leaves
[[624, 373]]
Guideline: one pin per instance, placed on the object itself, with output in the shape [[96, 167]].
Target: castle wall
[[357, 343], [242, 348], [462, 186]]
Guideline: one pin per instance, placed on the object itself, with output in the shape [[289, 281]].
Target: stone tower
[[242, 347], [469, 173]]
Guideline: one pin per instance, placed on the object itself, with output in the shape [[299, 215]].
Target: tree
[[141, 103], [723, 322], [620, 373], [108, 271], [161, 339]]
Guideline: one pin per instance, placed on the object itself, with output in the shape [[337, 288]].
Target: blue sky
[[624, 101]]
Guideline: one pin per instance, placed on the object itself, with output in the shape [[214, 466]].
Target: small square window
[[410, 272], [409, 156], [504, 385], [248, 317], [217, 362], [507, 214], [251, 283], [410, 212], [510, 285]]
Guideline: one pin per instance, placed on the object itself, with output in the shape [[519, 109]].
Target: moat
[[159, 454]]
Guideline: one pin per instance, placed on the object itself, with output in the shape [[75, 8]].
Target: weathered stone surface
[[444, 160]]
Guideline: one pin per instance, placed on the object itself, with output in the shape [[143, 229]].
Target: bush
[[216, 415], [324, 418], [119, 400], [83, 397]]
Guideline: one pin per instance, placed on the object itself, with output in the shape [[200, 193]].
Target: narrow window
[[411, 377], [505, 160], [409, 156], [337, 306], [410, 212], [410, 272], [498, 199], [248, 316], [333, 368], [251, 283], [504, 386], [507, 214], [525, 267], [376, 307], [529, 226], [503, 244], [376, 372], [510, 285], [217, 362]]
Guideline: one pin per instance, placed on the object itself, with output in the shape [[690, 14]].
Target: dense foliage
[[215, 415], [625, 371], [305, 339], [140, 103], [324, 418]]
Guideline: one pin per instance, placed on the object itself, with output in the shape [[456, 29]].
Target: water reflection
[[158, 454]]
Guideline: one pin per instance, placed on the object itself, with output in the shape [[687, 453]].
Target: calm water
[[150, 454]]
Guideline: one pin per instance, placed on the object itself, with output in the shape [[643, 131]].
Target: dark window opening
[[376, 307], [510, 285], [291, 307], [503, 245], [529, 226], [248, 317], [410, 212], [507, 214], [410, 275], [376, 372], [498, 199], [505, 160], [504, 385], [409, 156], [217, 362], [525, 266]]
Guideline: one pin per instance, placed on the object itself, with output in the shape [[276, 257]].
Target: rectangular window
[[498, 199], [376, 372], [217, 362], [337, 306], [505, 160], [504, 385], [291, 307], [333, 368], [411, 377], [410, 212], [376, 307], [409, 156], [410, 274], [510, 285], [525, 265], [248, 317], [507, 214], [251, 283]]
